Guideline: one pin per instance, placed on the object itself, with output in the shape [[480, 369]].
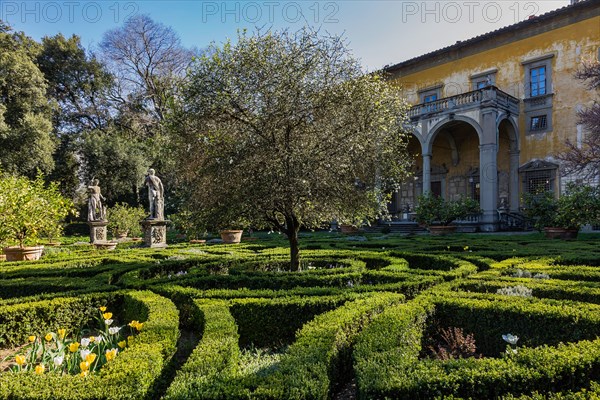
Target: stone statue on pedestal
[[96, 212], [155, 196]]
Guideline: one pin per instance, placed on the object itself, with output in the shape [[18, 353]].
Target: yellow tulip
[[92, 339], [73, 347], [122, 344], [39, 369], [84, 373], [139, 326], [111, 354], [103, 308], [107, 315], [62, 333], [129, 339], [20, 360], [90, 358], [31, 338], [48, 337], [84, 366]]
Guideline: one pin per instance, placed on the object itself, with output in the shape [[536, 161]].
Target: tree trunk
[[293, 227]]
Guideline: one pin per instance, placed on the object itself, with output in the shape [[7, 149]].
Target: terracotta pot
[[560, 233], [23, 254], [197, 241], [231, 236], [348, 229], [439, 230], [105, 245], [122, 235], [2, 257]]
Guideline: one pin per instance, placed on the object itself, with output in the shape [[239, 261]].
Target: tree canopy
[[25, 115], [284, 129]]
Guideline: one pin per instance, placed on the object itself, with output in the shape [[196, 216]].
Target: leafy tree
[[117, 162], [25, 119], [79, 85], [584, 160], [285, 130], [77, 81]]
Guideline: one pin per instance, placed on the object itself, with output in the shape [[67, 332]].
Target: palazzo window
[[538, 96], [538, 177], [537, 81]]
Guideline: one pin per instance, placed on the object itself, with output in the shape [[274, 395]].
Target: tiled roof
[[534, 20]]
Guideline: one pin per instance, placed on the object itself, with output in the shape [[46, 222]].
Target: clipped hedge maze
[[232, 322]]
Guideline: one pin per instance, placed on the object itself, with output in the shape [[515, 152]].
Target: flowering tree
[[585, 159], [285, 130]]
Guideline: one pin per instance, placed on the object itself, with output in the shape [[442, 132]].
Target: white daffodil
[[510, 338], [108, 321], [85, 342]]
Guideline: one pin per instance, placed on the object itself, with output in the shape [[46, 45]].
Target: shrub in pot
[[563, 217], [433, 211], [29, 209], [125, 220]]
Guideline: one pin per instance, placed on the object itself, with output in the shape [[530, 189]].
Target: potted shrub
[[437, 214], [231, 229], [125, 220], [28, 209], [563, 217]]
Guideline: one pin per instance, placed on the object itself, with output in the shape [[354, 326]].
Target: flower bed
[[131, 375]]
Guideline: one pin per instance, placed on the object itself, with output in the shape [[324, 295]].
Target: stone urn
[[439, 230], [231, 236], [16, 253], [105, 245], [348, 229], [560, 233]]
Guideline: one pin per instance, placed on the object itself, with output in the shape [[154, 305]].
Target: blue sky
[[379, 32]]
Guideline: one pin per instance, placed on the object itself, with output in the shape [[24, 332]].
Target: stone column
[[155, 233], [426, 173], [488, 180], [513, 181], [97, 231]]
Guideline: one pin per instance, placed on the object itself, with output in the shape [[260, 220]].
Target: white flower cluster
[[519, 290]]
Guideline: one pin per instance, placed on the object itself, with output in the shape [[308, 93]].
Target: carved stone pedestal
[[155, 233], [97, 231]]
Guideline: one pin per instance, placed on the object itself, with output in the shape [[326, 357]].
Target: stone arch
[[511, 123], [440, 126]]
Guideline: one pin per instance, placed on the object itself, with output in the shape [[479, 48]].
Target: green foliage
[[29, 209], [25, 120], [130, 375], [288, 131], [387, 352], [579, 205], [123, 218], [209, 370], [117, 161], [434, 210]]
